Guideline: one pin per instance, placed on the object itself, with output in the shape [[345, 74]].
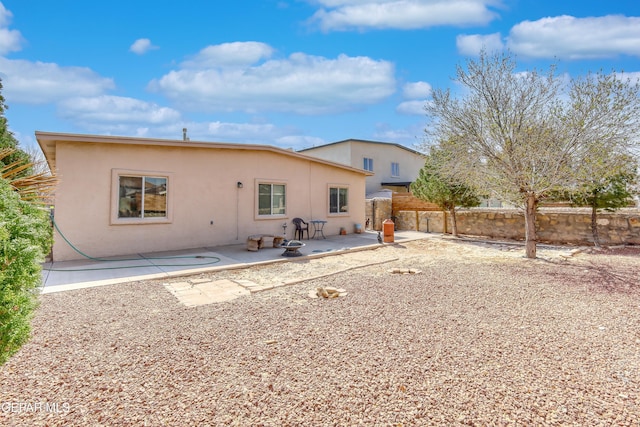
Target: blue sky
[[290, 73]]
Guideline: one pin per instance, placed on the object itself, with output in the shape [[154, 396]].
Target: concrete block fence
[[553, 226]]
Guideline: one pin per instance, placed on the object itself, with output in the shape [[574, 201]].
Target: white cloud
[[577, 38], [239, 130], [413, 108], [416, 93], [407, 137], [471, 45], [40, 83], [10, 40], [116, 109], [301, 83], [229, 54], [129, 116], [242, 133], [299, 142], [245, 133], [142, 46], [5, 16], [416, 90], [402, 14]]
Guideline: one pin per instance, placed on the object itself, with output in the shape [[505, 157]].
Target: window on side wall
[[395, 169], [338, 200], [368, 164], [272, 199], [140, 198]]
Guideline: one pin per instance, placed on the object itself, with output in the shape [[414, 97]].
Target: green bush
[[25, 238]]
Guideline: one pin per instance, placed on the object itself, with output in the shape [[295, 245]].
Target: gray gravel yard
[[480, 336]]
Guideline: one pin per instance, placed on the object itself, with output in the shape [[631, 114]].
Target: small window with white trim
[[395, 169], [338, 199], [272, 199]]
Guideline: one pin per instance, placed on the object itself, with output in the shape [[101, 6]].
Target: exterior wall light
[[239, 184]]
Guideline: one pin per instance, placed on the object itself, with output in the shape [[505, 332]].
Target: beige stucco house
[[394, 166], [125, 195]]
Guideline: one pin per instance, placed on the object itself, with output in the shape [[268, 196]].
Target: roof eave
[[48, 141]]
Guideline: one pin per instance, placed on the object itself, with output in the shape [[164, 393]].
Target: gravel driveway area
[[480, 336]]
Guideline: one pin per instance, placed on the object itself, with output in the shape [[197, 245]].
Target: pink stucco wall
[[202, 188]]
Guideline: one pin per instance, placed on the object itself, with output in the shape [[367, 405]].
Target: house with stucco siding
[[394, 166], [124, 195]]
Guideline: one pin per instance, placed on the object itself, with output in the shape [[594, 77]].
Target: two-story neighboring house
[[394, 166]]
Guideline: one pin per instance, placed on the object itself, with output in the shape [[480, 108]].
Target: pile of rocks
[[327, 292]]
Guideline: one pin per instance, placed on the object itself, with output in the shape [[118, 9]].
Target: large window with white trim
[[338, 200], [272, 199], [142, 197]]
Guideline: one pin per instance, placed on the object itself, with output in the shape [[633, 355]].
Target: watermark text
[[48, 407]]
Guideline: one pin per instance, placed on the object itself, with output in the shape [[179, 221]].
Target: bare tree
[[37, 159], [519, 136]]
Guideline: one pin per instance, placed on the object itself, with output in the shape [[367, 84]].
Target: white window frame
[[115, 219], [338, 187], [395, 169], [367, 164], [258, 182]]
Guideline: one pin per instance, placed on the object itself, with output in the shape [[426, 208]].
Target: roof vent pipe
[[184, 134]]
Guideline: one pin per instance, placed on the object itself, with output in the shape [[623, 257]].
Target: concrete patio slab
[[69, 275]]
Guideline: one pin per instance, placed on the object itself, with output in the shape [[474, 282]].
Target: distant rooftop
[[365, 142]]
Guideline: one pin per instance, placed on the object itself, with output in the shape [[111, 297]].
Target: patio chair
[[301, 227]]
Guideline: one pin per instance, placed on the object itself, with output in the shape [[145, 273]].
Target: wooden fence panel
[[408, 202]]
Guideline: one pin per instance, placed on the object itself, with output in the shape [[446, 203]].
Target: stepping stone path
[[196, 292]]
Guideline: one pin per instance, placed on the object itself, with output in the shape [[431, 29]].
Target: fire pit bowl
[[291, 248]]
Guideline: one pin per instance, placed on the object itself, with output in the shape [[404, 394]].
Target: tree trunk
[[454, 224], [594, 218], [530, 225], [594, 225], [444, 222]]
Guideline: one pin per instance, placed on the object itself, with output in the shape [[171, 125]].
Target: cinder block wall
[[565, 226]]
